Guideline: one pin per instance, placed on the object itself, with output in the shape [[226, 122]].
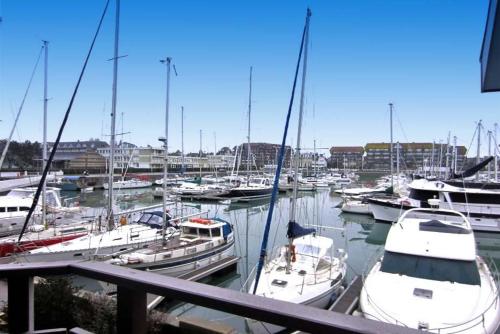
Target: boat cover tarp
[[297, 231], [473, 170]]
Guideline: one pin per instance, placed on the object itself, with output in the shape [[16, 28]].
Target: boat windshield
[[308, 250], [436, 269]]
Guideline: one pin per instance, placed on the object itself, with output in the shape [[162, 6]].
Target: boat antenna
[[61, 129], [263, 250]]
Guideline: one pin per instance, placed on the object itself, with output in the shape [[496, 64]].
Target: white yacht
[[356, 204], [480, 203], [199, 243], [124, 238], [431, 278], [15, 205]]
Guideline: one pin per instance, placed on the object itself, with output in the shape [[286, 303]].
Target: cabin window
[[12, 209], [216, 232], [436, 269], [145, 218], [204, 232], [475, 198], [24, 208], [2, 209], [190, 230]]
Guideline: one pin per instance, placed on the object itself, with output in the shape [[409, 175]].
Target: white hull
[[128, 185], [384, 213], [356, 207]]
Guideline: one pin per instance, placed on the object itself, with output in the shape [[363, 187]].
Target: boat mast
[[249, 154], [447, 172], [397, 164], [455, 155], [299, 130], [496, 153], [215, 155], [201, 151], [391, 149], [489, 154], [432, 169], [113, 119], [167, 62], [478, 156], [182, 140], [44, 152]]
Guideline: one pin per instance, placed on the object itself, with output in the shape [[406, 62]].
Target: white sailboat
[[305, 270]]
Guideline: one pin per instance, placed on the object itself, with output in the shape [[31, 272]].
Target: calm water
[[360, 236]]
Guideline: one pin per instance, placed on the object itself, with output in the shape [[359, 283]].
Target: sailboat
[[305, 270], [254, 186]]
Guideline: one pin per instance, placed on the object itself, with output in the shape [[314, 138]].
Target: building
[[411, 155], [262, 154], [131, 157], [78, 156], [347, 157]]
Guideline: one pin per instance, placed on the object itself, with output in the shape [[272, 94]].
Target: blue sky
[[421, 55]]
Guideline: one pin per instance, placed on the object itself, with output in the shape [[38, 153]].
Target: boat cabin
[[199, 228], [432, 244]]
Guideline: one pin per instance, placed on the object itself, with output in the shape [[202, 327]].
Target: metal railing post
[[131, 311], [21, 304]]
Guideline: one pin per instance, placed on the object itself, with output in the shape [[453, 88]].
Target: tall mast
[[249, 154], [314, 159], [478, 156], [397, 163], [201, 150], [297, 150], [432, 173], [455, 155], [447, 172], [391, 148], [113, 119], [44, 153], [489, 154], [122, 152], [496, 153], [215, 155], [182, 140], [167, 62]]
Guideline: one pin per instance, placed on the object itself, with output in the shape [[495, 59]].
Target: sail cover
[[297, 231], [473, 170]]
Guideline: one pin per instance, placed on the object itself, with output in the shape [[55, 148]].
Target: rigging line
[[404, 135], [468, 149], [4, 153], [263, 251], [61, 129]]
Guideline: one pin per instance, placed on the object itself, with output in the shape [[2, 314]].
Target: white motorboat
[[15, 205], [356, 205], [431, 278], [478, 202], [129, 184], [199, 243]]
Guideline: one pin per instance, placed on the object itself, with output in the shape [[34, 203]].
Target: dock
[[225, 264], [348, 301], [9, 184]]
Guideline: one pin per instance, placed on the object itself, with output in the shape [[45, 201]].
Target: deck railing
[[133, 286]]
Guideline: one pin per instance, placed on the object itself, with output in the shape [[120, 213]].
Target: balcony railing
[[133, 285]]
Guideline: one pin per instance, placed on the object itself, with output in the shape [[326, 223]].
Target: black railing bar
[[234, 302], [298, 317]]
